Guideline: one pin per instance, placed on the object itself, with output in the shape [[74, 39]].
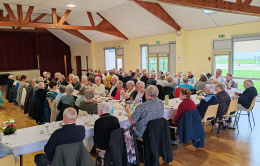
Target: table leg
[[21, 160]]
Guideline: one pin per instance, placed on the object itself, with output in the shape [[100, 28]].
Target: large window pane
[[221, 62], [110, 61], [119, 62], [163, 64], [144, 58], [152, 64]]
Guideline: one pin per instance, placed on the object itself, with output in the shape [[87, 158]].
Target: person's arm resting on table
[[128, 111]]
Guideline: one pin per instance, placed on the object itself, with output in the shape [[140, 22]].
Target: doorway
[[158, 62], [78, 66]]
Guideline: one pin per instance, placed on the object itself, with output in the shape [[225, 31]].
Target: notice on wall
[[178, 59]]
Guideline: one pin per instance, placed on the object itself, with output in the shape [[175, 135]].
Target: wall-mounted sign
[[178, 59]]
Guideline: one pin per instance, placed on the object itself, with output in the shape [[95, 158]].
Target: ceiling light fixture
[[71, 5], [208, 11]]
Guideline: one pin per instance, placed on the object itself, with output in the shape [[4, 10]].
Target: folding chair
[[232, 108], [8, 160]]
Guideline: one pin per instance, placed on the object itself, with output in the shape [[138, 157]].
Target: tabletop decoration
[[8, 127], [199, 92]]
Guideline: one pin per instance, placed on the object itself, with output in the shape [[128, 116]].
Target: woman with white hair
[[89, 105], [81, 96], [130, 89], [75, 83], [210, 99], [84, 81], [98, 88], [63, 80], [119, 90], [170, 82], [191, 76]]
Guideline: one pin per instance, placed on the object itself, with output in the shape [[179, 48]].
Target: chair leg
[[178, 141], [253, 117], [227, 129], [248, 113]]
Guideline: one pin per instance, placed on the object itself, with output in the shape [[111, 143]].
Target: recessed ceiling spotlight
[[71, 5]]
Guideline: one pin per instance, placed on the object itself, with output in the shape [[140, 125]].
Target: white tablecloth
[[28, 140]]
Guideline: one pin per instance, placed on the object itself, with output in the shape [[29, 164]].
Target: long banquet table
[[28, 140]]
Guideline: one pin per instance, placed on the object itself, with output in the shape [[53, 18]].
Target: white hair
[[119, 83], [76, 78], [192, 72], [41, 85], [58, 73], [152, 91], [153, 74], [249, 82], [130, 83], [115, 77], [70, 113], [169, 78], [210, 87], [167, 73], [220, 85], [71, 75], [44, 72], [127, 73], [104, 107], [69, 88], [10, 76], [98, 78], [140, 83], [84, 78], [40, 79], [203, 73]]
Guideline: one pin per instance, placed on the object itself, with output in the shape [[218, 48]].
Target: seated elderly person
[[98, 88], [127, 77], [151, 80], [170, 82], [91, 81], [144, 78], [71, 78], [89, 105], [218, 78], [84, 81], [63, 80], [75, 83], [134, 76], [5, 150], [191, 76], [224, 100], [162, 81], [51, 94], [68, 134], [210, 99], [200, 84], [186, 84], [229, 81], [167, 74], [104, 126], [130, 89], [113, 88], [245, 99], [38, 105], [66, 101], [81, 96], [152, 109], [179, 78], [62, 90], [120, 90], [139, 93]]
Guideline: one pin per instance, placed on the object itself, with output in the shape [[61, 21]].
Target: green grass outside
[[240, 61]]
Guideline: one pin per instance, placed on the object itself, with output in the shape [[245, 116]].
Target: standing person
[[134, 77], [152, 81], [51, 94], [217, 78], [144, 78], [191, 77], [108, 79], [9, 89]]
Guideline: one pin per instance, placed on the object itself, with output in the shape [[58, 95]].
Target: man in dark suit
[[152, 81], [245, 99], [127, 77], [104, 126], [69, 133], [113, 88], [144, 78], [120, 77]]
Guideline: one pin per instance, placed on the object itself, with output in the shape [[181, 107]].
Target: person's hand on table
[[200, 98], [127, 109], [236, 93], [95, 101]]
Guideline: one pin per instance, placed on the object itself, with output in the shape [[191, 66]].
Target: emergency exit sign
[[222, 35]]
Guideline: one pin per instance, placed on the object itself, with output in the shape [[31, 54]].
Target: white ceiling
[[128, 17]]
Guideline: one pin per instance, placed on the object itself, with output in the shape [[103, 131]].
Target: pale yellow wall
[[28, 73], [83, 51]]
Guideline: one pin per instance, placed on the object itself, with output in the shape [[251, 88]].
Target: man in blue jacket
[[245, 99]]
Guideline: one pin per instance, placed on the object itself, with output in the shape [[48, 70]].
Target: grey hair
[[249, 82], [84, 78], [141, 83], [40, 79], [71, 75], [231, 75], [185, 79], [220, 85], [82, 91], [31, 80], [167, 73], [152, 91], [62, 88], [62, 77], [114, 76], [119, 83], [153, 74], [104, 107], [76, 78], [145, 73], [41, 85], [203, 73], [58, 73], [70, 113], [69, 89], [89, 94], [219, 70], [9, 77], [162, 76], [130, 83], [98, 78], [191, 71], [44, 72], [210, 87], [127, 72], [170, 78]]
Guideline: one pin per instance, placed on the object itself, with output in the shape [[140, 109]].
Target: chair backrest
[[82, 113], [252, 104], [211, 112], [236, 85], [8, 161], [232, 107], [49, 102], [177, 92]]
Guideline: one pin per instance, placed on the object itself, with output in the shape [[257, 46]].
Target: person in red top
[[119, 86], [186, 105]]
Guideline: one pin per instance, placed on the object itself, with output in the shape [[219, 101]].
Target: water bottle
[[166, 99], [112, 108], [132, 107]]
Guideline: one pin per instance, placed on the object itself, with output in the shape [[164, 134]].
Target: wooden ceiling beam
[[159, 12], [39, 17], [10, 12], [54, 16], [20, 13], [220, 5], [106, 27], [64, 17], [28, 15], [91, 19], [1, 13]]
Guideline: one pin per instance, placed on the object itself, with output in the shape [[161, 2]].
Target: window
[[110, 62], [221, 62], [144, 57]]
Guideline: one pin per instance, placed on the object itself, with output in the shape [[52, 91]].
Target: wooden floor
[[243, 150]]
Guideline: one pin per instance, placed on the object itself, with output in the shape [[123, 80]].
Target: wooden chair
[[49, 102], [232, 108], [8, 161], [82, 113], [99, 158], [210, 114], [249, 110]]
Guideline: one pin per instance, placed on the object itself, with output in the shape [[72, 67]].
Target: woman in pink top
[[120, 88]]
